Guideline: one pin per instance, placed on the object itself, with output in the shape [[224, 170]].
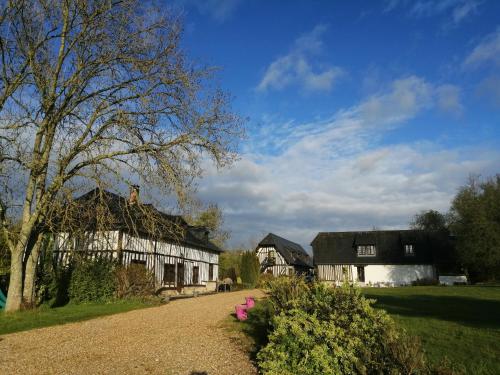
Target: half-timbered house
[[180, 256], [390, 257], [279, 256]]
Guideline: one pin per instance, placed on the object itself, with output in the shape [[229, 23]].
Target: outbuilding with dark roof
[[394, 257], [279, 256]]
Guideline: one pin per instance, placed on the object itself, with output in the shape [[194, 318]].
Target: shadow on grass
[[474, 312]]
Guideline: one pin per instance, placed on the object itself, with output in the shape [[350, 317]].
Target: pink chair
[[241, 312], [250, 301]]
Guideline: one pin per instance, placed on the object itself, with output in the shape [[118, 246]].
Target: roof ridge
[[372, 231], [119, 204]]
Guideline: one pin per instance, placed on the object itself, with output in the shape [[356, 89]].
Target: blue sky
[[360, 113]]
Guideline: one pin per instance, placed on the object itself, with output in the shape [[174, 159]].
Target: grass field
[[46, 316], [461, 323]]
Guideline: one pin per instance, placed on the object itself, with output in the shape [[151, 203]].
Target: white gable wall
[[281, 267]]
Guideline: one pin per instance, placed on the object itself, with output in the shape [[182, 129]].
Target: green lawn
[[46, 316], [461, 323]]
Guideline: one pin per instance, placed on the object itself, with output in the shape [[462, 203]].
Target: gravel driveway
[[182, 337]]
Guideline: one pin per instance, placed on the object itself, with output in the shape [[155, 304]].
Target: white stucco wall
[[397, 274], [451, 280]]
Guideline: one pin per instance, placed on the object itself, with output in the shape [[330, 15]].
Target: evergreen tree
[[250, 268]]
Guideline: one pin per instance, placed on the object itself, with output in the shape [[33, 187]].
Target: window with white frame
[[366, 251], [409, 249]]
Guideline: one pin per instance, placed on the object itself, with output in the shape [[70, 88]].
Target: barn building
[[392, 257], [180, 256], [279, 256]]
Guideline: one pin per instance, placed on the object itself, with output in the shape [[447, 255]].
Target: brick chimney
[[200, 233], [134, 194]]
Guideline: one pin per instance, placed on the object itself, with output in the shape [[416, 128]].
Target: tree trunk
[[30, 271], [15, 294]]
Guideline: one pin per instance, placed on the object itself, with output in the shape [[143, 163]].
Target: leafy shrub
[[229, 265], [258, 324], [426, 281], [92, 280], [52, 281], [299, 344], [317, 329], [286, 292], [134, 280], [264, 279]]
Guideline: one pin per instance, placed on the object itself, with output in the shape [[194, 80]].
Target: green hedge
[[92, 280]]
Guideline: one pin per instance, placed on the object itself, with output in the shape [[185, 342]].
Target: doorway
[[361, 273]]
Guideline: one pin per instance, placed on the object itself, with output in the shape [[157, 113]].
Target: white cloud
[[337, 174], [392, 4], [487, 51], [489, 88], [456, 11], [297, 68], [406, 97], [448, 99], [464, 10]]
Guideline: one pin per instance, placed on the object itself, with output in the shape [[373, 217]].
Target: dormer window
[[409, 250], [366, 251]]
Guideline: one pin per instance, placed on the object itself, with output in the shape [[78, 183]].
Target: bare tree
[[211, 217], [95, 90]]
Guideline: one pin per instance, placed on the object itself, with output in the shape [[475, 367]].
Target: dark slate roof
[[117, 213], [341, 247], [293, 253]]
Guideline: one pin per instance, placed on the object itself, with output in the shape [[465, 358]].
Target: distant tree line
[[474, 221]]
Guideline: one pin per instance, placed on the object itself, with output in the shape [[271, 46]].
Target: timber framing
[[137, 233], [279, 256]]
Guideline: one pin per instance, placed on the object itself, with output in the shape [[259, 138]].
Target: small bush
[[426, 281], [92, 280], [316, 329], [52, 281], [286, 292], [264, 279], [59, 284], [134, 280], [258, 324], [446, 367]]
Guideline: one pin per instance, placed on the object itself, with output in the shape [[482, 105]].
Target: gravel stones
[[183, 337]]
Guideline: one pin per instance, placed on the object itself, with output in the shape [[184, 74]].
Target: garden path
[[183, 337]]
